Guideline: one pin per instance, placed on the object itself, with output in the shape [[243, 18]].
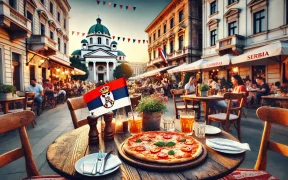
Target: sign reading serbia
[[258, 55], [108, 97], [213, 64]]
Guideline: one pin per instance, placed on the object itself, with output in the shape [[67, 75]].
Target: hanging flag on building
[[163, 55], [108, 97]]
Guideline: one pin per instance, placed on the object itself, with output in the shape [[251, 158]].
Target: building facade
[[33, 41], [236, 27], [99, 53], [138, 67], [178, 31]]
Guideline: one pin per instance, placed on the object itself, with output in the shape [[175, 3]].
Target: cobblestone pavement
[[55, 122]]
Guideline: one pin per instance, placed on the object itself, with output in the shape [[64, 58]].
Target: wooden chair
[[270, 115], [28, 101], [226, 119], [19, 120], [174, 93], [135, 101], [73, 105]]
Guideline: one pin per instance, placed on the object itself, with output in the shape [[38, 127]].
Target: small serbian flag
[[163, 55], [108, 97]]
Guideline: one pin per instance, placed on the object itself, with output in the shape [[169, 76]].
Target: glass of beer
[[187, 118], [135, 122]]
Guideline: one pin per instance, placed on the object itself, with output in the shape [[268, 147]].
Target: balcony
[[62, 56], [230, 45], [155, 61], [18, 26], [42, 43]]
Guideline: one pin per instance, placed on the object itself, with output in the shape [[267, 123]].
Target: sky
[[120, 22]]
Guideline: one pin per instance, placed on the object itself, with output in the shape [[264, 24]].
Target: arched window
[[107, 42], [91, 40], [100, 68], [99, 40], [120, 58]]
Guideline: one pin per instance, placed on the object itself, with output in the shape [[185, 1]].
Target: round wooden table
[[66, 150], [5, 102], [274, 98]]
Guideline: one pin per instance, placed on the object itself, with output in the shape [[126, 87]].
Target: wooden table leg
[[6, 107]]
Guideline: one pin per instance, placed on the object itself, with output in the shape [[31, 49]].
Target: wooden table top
[[194, 97], [12, 99], [66, 150], [275, 97]]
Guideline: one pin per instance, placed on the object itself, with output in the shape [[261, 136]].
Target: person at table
[[38, 89], [248, 84], [213, 84], [263, 89], [190, 87]]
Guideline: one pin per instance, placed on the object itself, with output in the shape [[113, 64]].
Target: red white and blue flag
[[163, 55], [108, 97]]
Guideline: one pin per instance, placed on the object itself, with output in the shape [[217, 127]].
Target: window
[[42, 29], [164, 28], [286, 11], [154, 54], [100, 68], [43, 2], [30, 17], [65, 48], [181, 16], [32, 71], [159, 32], [91, 40], [149, 39], [44, 73], [51, 35], [64, 23], [59, 44], [213, 37], [199, 11], [58, 16], [107, 42], [232, 27], [99, 40], [164, 49], [51, 7], [231, 1], [259, 18], [213, 7], [171, 46], [180, 42], [200, 41], [13, 3], [171, 23], [154, 36]]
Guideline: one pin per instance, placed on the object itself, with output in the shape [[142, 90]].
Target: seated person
[[38, 89], [263, 90], [213, 84], [190, 87], [48, 88]]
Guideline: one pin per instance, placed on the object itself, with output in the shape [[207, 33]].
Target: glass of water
[[199, 128], [169, 123]]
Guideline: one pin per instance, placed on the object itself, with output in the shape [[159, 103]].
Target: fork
[[94, 170]]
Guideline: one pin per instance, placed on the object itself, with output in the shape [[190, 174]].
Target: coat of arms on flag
[[108, 97]]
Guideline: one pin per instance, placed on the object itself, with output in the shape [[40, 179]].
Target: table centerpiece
[[6, 91], [204, 90]]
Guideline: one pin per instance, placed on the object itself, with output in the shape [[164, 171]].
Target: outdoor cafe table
[[204, 100], [274, 98], [5, 102], [66, 150]]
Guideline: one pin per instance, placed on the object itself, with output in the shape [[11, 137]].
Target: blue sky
[[120, 22]]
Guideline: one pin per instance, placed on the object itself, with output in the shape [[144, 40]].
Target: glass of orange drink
[[135, 122], [187, 119]]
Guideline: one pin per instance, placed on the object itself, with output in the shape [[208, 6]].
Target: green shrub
[[204, 87], [153, 103], [7, 88]]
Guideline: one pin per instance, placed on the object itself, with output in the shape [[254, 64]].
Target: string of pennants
[[116, 38], [115, 5]]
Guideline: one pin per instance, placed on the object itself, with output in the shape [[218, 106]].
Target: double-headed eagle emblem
[[107, 97]]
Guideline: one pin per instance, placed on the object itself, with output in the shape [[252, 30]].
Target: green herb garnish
[[182, 140], [160, 143], [138, 140], [169, 144], [171, 152]]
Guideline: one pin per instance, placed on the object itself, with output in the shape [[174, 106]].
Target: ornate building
[[138, 67], [99, 54]]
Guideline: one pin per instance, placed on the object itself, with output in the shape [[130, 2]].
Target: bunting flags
[[115, 5], [119, 38], [121, 6], [104, 2], [123, 38], [139, 41], [134, 8], [78, 33], [83, 34], [73, 32], [143, 41], [147, 41], [109, 4], [98, 2], [113, 37], [134, 40], [128, 39]]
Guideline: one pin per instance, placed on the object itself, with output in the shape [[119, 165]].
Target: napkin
[[111, 163], [226, 144]]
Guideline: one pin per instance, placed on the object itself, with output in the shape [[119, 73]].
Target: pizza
[[162, 147]]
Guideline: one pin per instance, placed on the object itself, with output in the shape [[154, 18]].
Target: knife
[[104, 162], [94, 170]]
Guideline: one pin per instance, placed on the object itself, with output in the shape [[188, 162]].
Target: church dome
[[99, 28], [114, 42], [120, 53], [84, 41], [76, 52]]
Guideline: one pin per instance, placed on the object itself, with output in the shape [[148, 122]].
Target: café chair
[[270, 115], [18, 121], [76, 104], [27, 105], [228, 118], [175, 93]]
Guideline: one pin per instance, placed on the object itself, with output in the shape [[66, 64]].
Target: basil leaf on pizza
[[160, 143], [169, 144], [171, 152], [182, 140], [138, 140]]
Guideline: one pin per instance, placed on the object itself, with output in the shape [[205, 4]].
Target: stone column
[[114, 65], [94, 71], [108, 71]]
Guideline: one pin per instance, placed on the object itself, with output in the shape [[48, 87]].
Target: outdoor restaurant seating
[[19, 120], [227, 119], [73, 105], [270, 115]]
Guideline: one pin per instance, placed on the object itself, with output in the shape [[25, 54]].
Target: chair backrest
[[177, 92], [270, 115], [13, 121], [29, 100], [135, 100], [73, 105], [234, 96]]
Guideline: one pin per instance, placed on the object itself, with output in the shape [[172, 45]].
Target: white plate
[[211, 130], [227, 151], [91, 158]]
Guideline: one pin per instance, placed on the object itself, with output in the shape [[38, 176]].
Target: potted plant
[[152, 108], [6, 91], [204, 90]]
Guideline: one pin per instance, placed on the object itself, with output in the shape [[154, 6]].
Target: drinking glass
[[199, 128], [119, 119], [135, 123], [187, 118], [169, 123]]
